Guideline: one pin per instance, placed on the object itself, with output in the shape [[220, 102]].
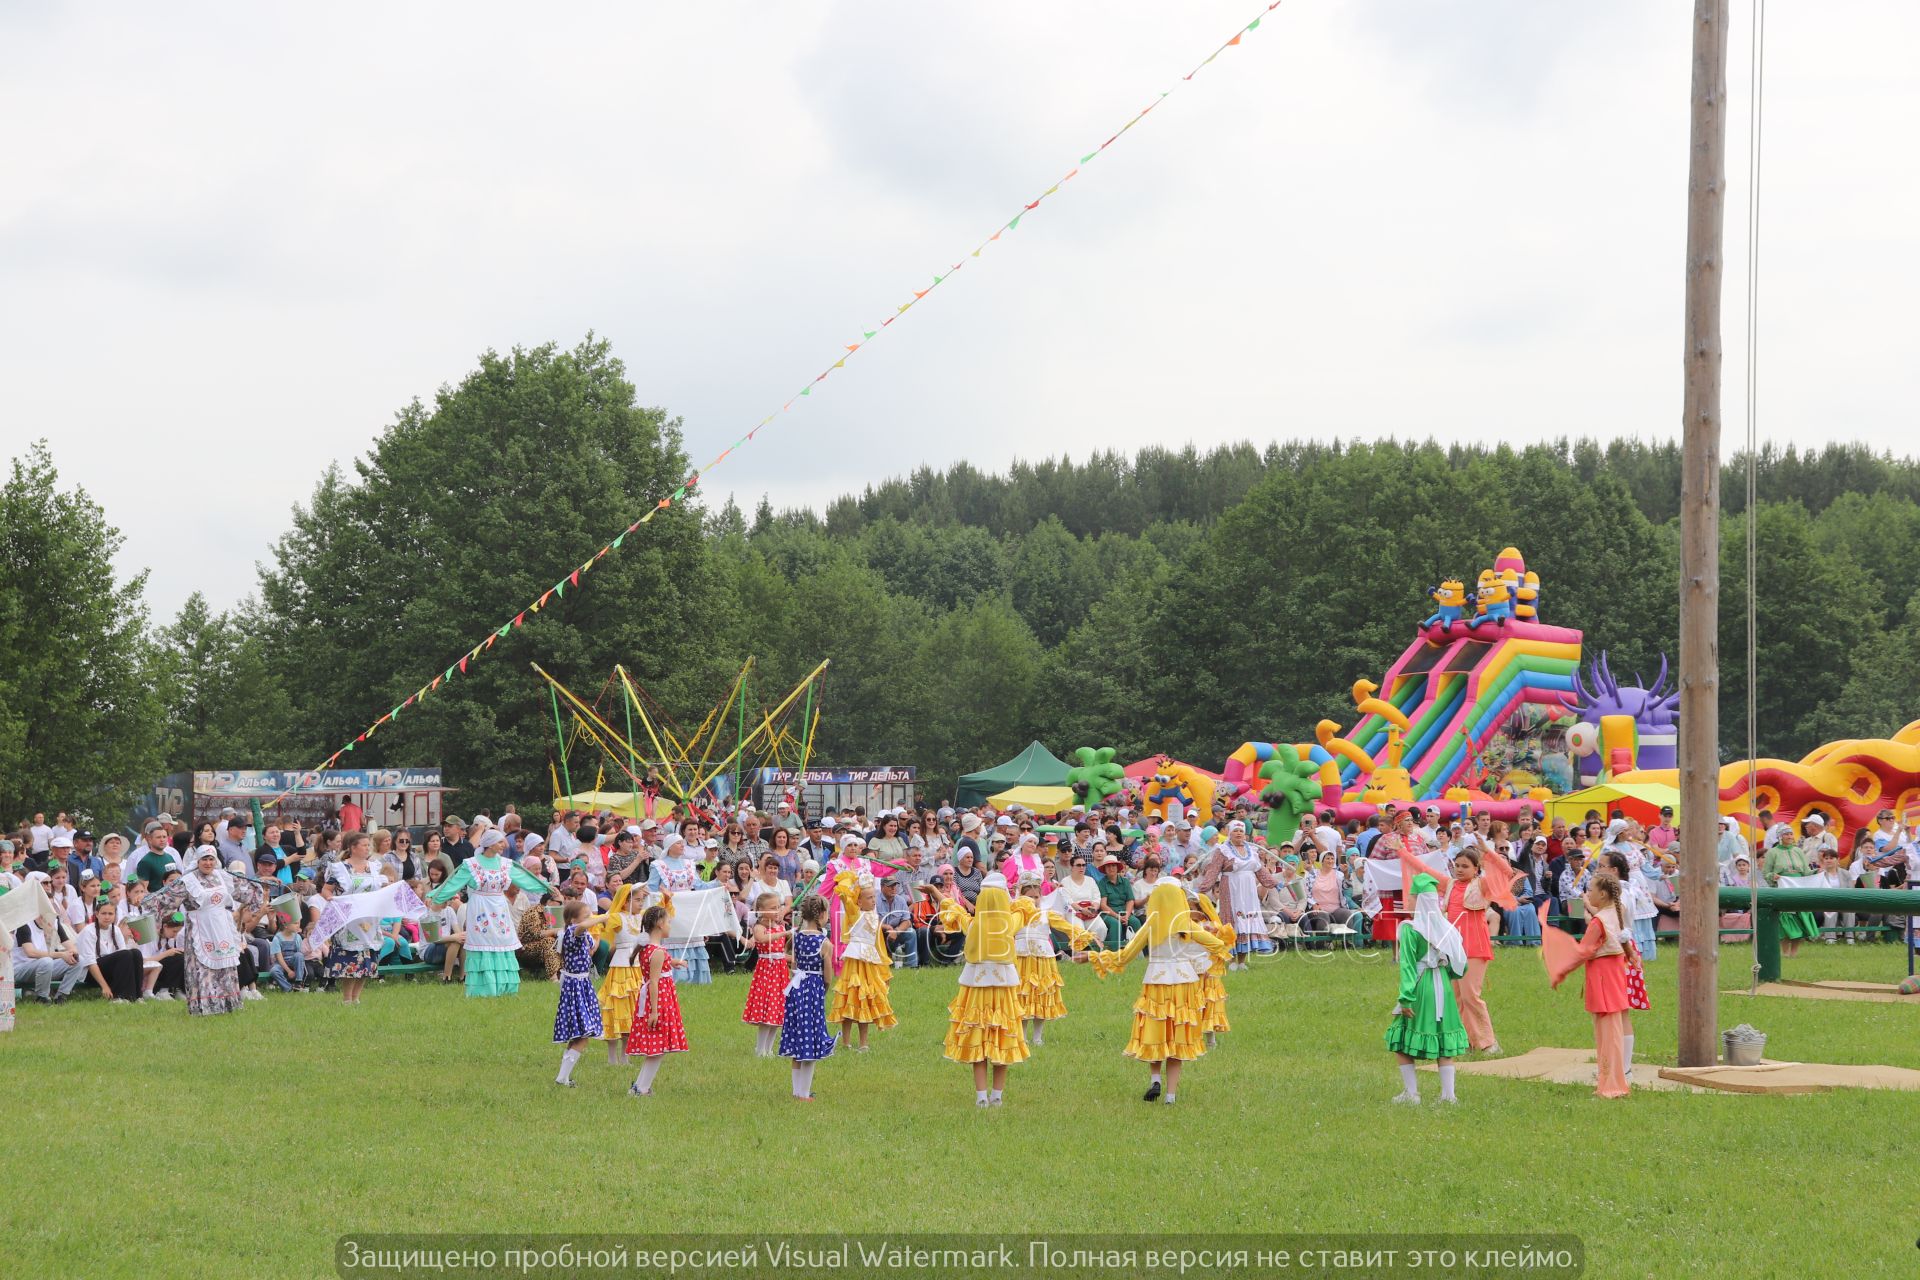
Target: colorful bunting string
[[572, 579]]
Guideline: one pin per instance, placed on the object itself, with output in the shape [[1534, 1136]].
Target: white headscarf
[[1443, 939], [489, 838]]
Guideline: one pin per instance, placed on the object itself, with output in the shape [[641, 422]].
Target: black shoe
[[1153, 1092], [59, 999]]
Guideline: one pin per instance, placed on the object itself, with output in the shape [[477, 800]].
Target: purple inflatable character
[[1655, 712]]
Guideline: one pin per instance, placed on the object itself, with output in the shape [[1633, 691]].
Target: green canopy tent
[[1034, 767]]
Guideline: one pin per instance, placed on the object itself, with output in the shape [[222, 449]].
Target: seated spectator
[[170, 953], [53, 968], [1327, 899], [1082, 896], [968, 871], [108, 957], [896, 923], [289, 956], [1116, 893], [537, 953]]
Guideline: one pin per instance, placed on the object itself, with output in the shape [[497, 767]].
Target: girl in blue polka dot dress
[[804, 1037], [577, 1020]]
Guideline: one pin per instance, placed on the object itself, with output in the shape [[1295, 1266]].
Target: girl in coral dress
[[860, 997], [1167, 1017], [767, 996], [657, 1030], [1602, 950]]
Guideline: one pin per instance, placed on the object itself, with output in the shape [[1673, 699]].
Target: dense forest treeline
[[1175, 600]]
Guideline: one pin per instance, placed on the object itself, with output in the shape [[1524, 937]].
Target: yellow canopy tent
[[632, 804], [1038, 799], [1641, 801]]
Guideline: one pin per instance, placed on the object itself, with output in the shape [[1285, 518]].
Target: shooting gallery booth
[[872, 786], [388, 797]]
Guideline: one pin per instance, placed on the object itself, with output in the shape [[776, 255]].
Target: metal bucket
[[1744, 1046]]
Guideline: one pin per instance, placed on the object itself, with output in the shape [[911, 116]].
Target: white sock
[[1156, 1075], [616, 1053], [979, 1095], [1409, 1082], [1039, 1032], [760, 1042], [567, 1060], [1626, 1043], [806, 1076], [649, 1068], [994, 1096], [800, 1079], [1168, 1097], [1446, 1082], [1210, 1040]]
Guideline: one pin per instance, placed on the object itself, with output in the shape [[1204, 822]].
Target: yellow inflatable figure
[[1526, 605]]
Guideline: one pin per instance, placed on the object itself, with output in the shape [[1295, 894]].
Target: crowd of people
[[216, 913]]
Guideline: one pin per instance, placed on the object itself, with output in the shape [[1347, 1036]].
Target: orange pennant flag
[[1235, 40]]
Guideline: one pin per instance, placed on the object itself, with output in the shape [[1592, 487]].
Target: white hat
[[993, 880], [712, 843], [61, 840], [852, 842], [1029, 878], [1813, 817], [647, 824], [533, 838], [784, 805], [1236, 825], [827, 823], [969, 821], [1004, 821], [86, 873], [809, 867], [236, 867]]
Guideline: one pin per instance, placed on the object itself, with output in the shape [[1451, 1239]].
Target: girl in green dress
[[1789, 858], [1426, 1021]]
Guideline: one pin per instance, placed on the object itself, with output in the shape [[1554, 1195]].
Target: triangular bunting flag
[[1234, 41], [870, 332], [490, 640], [1090, 155], [520, 619], [574, 577], [1015, 224], [617, 541]]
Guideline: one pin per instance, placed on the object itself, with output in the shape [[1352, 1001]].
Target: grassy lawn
[[145, 1144]]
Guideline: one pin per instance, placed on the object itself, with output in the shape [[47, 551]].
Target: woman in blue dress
[[804, 1038]]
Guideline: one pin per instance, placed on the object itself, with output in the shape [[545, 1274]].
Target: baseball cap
[[828, 823], [61, 840], [83, 835]]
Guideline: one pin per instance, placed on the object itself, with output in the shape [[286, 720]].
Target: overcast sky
[[234, 240]]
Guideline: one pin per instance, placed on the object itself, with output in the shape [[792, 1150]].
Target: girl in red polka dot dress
[[657, 1031], [767, 997]]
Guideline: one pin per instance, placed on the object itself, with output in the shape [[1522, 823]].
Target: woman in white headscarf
[[492, 940], [209, 897], [1426, 1021], [1237, 879]]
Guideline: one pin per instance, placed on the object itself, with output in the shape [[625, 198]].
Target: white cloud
[[236, 241]]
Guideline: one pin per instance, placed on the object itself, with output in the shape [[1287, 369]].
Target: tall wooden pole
[[1700, 545]]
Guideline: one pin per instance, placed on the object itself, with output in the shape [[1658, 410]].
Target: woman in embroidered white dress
[[209, 897], [492, 939]]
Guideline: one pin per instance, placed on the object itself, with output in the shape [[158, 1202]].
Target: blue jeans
[[298, 964], [905, 947]]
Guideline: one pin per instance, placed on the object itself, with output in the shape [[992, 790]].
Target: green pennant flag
[[807, 392], [560, 587], [617, 541], [1015, 224], [503, 630], [1250, 26], [680, 493], [869, 332], [449, 674], [394, 714], [1090, 155], [938, 279]]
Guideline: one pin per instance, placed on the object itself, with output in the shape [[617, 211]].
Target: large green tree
[[80, 725], [464, 512]]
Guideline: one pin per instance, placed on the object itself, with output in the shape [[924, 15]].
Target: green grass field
[[143, 1143]]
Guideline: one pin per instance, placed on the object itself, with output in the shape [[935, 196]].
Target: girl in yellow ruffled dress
[[1167, 1016], [620, 991], [1033, 955], [1213, 983], [983, 1022], [860, 997]]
